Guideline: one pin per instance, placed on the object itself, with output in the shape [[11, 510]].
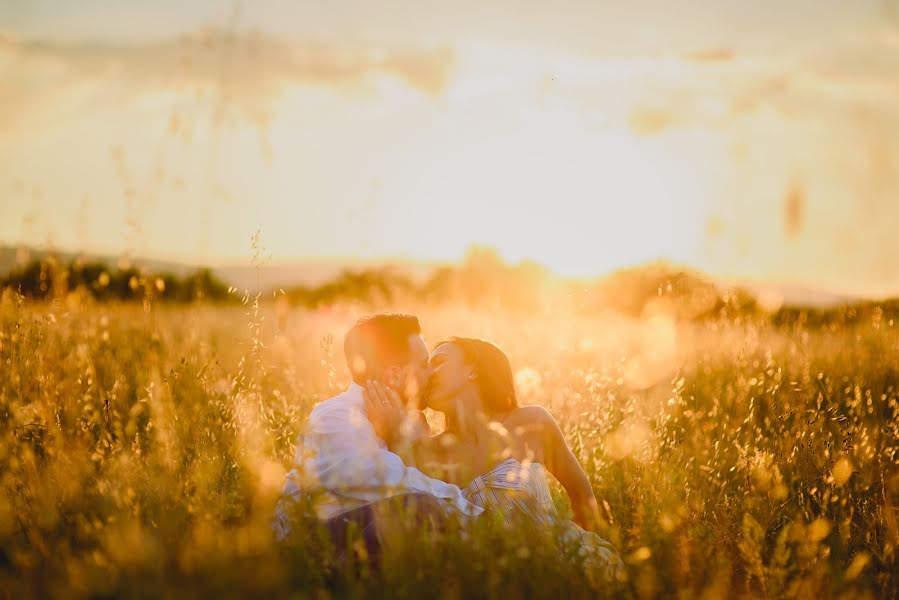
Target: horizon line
[[754, 284]]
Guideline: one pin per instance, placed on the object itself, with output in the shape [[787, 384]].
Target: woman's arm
[[539, 425]]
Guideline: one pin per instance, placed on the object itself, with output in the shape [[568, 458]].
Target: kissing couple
[[368, 453]]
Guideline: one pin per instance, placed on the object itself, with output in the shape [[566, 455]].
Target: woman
[[500, 449]]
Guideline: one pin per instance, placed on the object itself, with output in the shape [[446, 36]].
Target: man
[[340, 458]]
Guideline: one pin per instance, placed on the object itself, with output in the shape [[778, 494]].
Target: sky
[[748, 140]]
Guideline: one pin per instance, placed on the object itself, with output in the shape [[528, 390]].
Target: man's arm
[[351, 461]]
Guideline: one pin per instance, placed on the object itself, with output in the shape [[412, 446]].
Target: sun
[[579, 201]]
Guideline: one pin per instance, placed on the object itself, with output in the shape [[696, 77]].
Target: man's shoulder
[[341, 406]]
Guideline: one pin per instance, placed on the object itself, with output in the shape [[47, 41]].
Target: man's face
[[413, 377]]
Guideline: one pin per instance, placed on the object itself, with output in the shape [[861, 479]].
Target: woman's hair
[[493, 374]]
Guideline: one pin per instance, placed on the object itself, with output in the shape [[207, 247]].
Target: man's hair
[[377, 342]]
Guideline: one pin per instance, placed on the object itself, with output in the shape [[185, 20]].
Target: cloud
[[711, 55], [251, 69], [884, 37], [649, 121]]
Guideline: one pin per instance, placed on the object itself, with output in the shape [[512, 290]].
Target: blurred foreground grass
[[142, 450]]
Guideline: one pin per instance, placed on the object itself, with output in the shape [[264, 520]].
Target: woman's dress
[[514, 490]]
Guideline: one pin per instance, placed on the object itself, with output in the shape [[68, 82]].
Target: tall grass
[[142, 450]]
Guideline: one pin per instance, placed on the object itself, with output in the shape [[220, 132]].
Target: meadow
[[143, 447]]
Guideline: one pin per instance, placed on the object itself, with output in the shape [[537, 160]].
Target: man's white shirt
[[344, 465]]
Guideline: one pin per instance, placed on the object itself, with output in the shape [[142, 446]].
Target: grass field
[[142, 450]]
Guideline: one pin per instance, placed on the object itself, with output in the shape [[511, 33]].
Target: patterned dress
[[514, 490]]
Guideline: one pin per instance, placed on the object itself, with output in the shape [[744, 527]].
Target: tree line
[[483, 280], [48, 278]]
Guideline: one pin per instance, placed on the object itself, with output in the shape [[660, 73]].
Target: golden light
[[582, 160], [537, 180]]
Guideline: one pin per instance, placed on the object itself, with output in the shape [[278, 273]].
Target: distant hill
[[794, 295], [307, 273]]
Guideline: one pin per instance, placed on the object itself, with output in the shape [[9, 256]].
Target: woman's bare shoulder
[[535, 427], [529, 416]]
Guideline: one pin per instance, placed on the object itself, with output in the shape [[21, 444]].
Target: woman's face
[[449, 375]]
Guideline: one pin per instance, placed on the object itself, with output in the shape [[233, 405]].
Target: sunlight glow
[[583, 162]]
